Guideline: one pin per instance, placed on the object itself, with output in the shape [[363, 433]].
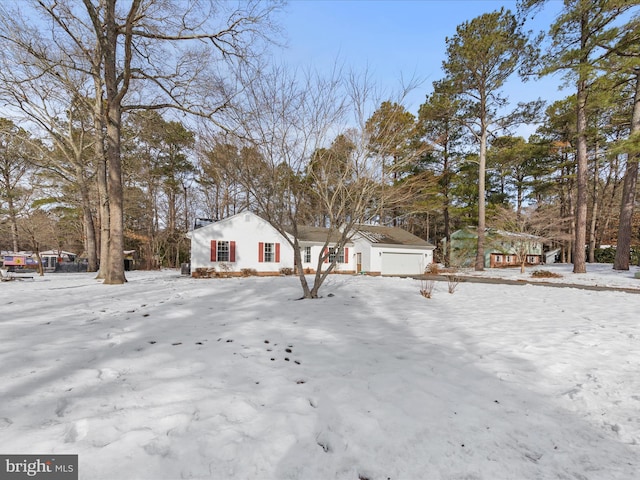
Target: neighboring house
[[246, 241], [51, 258], [390, 251], [501, 249]]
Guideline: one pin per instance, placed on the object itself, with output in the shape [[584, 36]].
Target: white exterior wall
[[247, 230], [316, 250], [363, 247], [372, 255]]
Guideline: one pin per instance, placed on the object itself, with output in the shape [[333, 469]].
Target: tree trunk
[[297, 256], [105, 215], [114, 273], [447, 233], [481, 200], [445, 209], [579, 254], [594, 210], [89, 231], [11, 209], [623, 249], [101, 174], [13, 219]]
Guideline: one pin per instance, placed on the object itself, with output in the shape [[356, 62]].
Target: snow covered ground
[[169, 377]]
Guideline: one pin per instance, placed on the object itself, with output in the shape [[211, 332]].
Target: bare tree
[[145, 54], [66, 126], [520, 230], [304, 157], [15, 163]]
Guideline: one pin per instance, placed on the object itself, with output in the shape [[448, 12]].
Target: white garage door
[[402, 263]]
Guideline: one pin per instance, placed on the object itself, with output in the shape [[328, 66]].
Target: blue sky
[[397, 39]]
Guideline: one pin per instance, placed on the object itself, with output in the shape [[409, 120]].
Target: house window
[[223, 251], [338, 254], [498, 258], [307, 255], [268, 252]]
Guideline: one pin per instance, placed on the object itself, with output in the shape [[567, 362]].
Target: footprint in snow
[[5, 423]]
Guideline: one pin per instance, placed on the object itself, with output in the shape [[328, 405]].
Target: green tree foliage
[[392, 137], [482, 55], [441, 128], [625, 62], [158, 171], [580, 38], [521, 169], [220, 194]]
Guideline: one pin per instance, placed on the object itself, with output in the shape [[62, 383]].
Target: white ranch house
[[246, 241]]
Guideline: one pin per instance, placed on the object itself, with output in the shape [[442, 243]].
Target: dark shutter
[[214, 250], [232, 251]]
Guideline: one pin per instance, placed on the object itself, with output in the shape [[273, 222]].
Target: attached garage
[[390, 251], [402, 263]]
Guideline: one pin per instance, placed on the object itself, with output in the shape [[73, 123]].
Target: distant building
[[15, 261], [52, 258], [501, 249]]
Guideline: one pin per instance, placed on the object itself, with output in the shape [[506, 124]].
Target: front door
[[358, 262]]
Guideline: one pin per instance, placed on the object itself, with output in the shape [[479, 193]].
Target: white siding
[[395, 262], [406, 263], [316, 250], [247, 230]]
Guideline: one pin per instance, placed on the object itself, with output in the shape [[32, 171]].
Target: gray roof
[[317, 234], [375, 234], [390, 235]]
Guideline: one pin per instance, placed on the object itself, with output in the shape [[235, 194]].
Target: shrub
[[248, 272], [204, 272], [545, 274], [608, 255], [286, 271], [427, 288], [452, 282], [604, 255], [433, 269], [225, 270]]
